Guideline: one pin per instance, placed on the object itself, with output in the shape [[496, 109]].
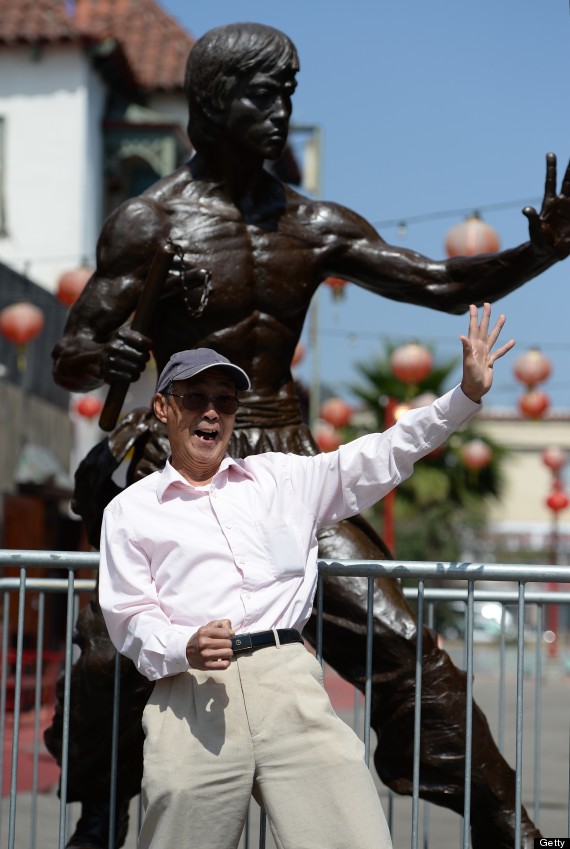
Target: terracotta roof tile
[[33, 21], [155, 45]]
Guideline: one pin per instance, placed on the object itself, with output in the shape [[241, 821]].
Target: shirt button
[[228, 525]]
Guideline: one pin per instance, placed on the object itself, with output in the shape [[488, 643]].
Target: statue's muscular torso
[[264, 261]]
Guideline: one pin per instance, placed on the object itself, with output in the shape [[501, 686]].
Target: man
[[210, 546], [251, 252]]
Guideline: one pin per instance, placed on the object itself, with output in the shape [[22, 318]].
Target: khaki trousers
[[263, 726]]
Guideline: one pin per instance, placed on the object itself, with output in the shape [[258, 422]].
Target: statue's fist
[[125, 356]]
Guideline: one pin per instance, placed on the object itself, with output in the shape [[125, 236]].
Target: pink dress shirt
[[244, 548]]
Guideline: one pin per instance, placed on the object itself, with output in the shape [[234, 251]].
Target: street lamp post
[[388, 502], [312, 183]]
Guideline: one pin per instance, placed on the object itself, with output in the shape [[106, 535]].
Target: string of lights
[[403, 222], [352, 336]]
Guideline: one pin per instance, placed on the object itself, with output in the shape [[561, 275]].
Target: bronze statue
[[250, 253]]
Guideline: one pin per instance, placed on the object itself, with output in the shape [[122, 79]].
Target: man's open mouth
[[208, 435]]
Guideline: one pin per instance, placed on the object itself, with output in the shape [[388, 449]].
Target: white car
[[487, 622]]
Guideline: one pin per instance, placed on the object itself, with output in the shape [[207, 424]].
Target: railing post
[[417, 717], [66, 709], [17, 694], [519, 716]]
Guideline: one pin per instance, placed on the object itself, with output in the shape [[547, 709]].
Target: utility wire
[[404, 220], [354, 335]]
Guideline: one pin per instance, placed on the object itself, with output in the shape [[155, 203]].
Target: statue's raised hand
[[549, 230]]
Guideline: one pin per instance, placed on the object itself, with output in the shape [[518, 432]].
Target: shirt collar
[[169, 476]]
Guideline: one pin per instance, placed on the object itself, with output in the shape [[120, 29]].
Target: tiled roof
[[155, 45], [33, 21]]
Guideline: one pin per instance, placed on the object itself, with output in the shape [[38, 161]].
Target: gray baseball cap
[[186, 364]]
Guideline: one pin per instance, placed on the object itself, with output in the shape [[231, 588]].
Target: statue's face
[[257, 117]]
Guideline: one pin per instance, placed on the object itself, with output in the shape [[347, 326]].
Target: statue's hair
[[220, 58]]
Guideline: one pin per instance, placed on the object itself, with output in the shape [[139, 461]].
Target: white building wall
[[52, 108], [91, 199], [522, 510]]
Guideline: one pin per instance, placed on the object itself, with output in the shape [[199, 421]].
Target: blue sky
[[427, 108]]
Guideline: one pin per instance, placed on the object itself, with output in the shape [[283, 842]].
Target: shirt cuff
[[175, 655], [457, 407]]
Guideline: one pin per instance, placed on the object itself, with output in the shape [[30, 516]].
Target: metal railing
[[26, 691]]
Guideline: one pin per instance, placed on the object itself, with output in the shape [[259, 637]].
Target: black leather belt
[[262, 639]]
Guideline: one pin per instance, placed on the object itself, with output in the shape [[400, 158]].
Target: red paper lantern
[[476, 454], [336, 285], [411, 363], [470, 237], [532, 367], [554, 457], [534, 404], [21, 322], [336, 412], [327, 438], [71, 284], [89, 406], [557, 500]]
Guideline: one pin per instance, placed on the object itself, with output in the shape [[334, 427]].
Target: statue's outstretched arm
[[359, 254]]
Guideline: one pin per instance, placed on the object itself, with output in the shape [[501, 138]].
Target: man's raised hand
[[478, 357]]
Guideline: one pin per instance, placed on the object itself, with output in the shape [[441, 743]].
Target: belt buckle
[[241, 642]]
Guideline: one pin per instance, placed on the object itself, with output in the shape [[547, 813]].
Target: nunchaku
[[141, 323]]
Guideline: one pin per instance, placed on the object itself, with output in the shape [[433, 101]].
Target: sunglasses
[[195, 401]]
